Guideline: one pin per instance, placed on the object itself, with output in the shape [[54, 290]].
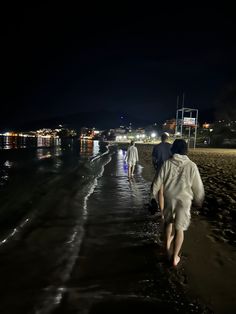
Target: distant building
[[120, 130], [90, 134], [47, 132], [127, 134], [87, 133], [169, 126], [207, 125]]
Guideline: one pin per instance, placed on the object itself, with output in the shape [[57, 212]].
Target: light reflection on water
[[89, 148], [60, 152], [44, 153], [47, 142], [8, 164], [95, 148], [13, 142], [122, 155], [4, 176], [86, 147]]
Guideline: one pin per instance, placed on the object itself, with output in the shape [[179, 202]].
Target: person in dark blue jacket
[[160, 153]]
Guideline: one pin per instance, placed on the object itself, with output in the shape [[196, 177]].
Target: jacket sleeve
[[197, 188]]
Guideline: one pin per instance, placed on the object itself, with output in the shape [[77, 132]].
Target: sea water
[[29, 173], [43, 207]]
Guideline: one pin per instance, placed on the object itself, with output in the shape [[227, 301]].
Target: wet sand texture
[[118, 264], [121, 266], [210, 242]]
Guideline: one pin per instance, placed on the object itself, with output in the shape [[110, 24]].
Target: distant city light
[[206, 125], [153, 135]]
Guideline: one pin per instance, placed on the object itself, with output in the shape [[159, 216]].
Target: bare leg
[[169, 238], [132, 171], [161, 200], [179, 238], [129, 171]]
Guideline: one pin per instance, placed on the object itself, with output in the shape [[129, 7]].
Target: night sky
[[133, 61]]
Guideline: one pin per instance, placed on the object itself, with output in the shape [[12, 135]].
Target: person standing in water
[[132, 159], [182, 185], [160, 153]]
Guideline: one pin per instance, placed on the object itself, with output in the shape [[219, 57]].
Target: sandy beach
[[209, 255]]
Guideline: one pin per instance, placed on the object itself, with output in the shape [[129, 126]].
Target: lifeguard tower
[[186, 125]]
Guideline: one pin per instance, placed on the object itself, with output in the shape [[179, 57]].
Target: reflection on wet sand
[[121, 261], [90, 244]]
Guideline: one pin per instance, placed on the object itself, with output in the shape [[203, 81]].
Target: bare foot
[[176, 261]]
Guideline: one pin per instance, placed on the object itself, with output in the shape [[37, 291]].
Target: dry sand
[[209, 255]]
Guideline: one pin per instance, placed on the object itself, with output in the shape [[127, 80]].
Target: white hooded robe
[[182, 184]]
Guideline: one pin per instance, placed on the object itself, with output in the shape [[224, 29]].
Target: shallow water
[[43, 206], [29, 174], [121, 265]]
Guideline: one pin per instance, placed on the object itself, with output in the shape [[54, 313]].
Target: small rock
[[220, 216]]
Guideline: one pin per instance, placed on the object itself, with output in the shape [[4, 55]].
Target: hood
[[179, 160]]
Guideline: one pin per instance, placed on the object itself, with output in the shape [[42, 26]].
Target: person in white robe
[[132, 158], [180, 182]]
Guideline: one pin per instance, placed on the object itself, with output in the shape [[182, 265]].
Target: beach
[[87, 242], [209, 256]]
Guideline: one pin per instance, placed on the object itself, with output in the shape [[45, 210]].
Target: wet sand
[[121, 267], [209, 255], [116, 264]]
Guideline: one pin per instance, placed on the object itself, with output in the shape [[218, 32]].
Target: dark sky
[[129, 60]]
